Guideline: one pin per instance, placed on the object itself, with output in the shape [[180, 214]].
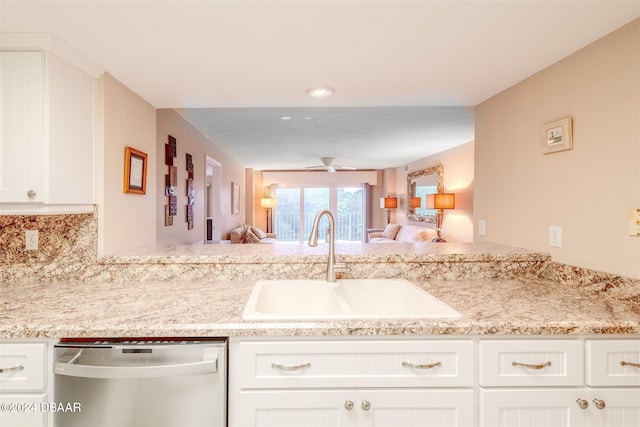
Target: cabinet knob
[[31, 194], [583, 404], [600, 404], [365, 405], [348, 405]]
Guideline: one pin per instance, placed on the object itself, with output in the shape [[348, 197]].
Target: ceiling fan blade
[[346, 168]]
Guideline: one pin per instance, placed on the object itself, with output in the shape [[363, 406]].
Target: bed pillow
[[390, 231]]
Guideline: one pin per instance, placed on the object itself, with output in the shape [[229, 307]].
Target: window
[[297, 208], [350, 214], [287, 215]]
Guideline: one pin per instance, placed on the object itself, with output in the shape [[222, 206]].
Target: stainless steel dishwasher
[[141, 382]]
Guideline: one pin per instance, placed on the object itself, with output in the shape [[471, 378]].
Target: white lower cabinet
[[23, 410], [531, 407], [352, 383], [560, 407], [613, 407], [541, 383], [24, 379], [363, 407]]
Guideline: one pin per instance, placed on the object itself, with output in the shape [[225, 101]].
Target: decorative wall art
[[557, 136], [135, 171], [171, 181], [235, 198], [191, 192]]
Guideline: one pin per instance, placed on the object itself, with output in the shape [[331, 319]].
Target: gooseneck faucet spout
[[332, 266]]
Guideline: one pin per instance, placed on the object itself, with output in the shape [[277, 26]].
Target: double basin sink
[[344, 299]]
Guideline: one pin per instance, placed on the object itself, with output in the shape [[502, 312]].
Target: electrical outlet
[[31, 240], [482, 227], [555, 236]]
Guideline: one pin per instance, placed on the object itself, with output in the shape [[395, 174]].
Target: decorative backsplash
[[64, 238]]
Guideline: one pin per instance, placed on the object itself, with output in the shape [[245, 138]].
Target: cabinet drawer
[[531, 363], [356, 364], [23, 367], [613, 362]]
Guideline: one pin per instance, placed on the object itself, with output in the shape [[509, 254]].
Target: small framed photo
[[557, 136], [235, 198], [135, 171]]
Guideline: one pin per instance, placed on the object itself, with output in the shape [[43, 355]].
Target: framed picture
[[135, 171], [557, 136], [235, 198]]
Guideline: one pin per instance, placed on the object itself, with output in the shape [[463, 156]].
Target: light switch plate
[[555, 236], [482, 227], [634, 222]]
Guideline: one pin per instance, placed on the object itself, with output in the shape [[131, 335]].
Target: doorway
[[212, 200]]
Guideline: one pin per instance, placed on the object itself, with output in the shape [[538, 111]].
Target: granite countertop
[[515, 306], [302, 253]]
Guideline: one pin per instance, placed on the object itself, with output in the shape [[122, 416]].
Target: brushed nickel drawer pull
[[411, 365], [290, 368], [526, 365], [13, 368], [635, 365]]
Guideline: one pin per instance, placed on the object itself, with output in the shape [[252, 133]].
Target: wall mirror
[[419, 184]]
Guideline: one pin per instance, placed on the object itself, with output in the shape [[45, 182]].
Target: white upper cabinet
[[22, 127], [47, 133]]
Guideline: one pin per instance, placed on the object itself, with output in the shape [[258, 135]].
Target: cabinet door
[[269, 408], [22, 133], [71, 134], [614, 407], [532, 408], [415, 408], [20, 410]]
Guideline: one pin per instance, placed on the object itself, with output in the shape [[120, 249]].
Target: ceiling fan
[[327, 164]]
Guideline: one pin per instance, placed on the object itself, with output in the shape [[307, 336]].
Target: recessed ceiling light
[[285, 118], [320, 91]]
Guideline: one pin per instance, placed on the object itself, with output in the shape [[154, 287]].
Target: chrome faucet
[[332, 266]]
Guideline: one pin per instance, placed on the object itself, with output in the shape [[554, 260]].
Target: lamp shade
[[388, 202], [416, 202], [444, 201], [268, 202]]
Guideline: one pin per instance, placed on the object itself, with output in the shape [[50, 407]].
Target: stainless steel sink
[[343, 299]]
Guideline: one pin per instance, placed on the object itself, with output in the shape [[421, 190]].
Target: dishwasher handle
[[121, 372]]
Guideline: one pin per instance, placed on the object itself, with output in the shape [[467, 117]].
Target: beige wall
[[588, 190], [457, 164], [124, 119], [190, 140]]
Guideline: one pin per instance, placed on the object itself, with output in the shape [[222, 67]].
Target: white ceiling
[[233, 68]]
